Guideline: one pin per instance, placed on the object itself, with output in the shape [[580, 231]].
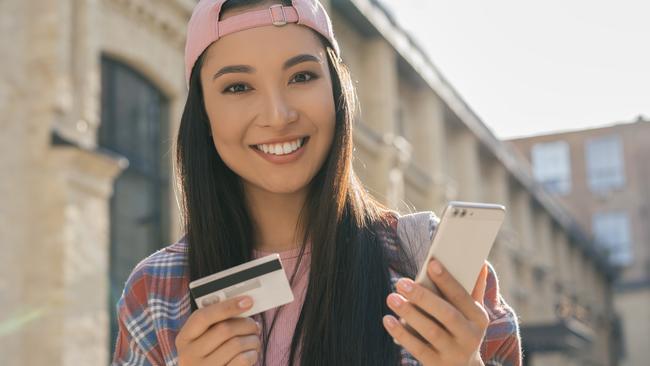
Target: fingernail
[[259, 327], [405, 285], [244, 303], [390, 321], [435, 266], [395, 300]]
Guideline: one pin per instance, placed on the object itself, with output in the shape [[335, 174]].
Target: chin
[[284, 187], [278, 184]]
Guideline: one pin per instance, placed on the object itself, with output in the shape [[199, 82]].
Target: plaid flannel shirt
[[155, 304]]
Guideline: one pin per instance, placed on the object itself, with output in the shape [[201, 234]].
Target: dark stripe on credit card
[[236, 278]]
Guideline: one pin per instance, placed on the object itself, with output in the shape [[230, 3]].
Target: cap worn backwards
[[204, 26]]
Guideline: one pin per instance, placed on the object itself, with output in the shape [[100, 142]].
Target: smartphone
[[462, 241]]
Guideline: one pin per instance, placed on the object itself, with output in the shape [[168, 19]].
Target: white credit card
[[263, 279]]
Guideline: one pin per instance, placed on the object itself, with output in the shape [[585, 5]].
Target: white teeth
[[281, 149]]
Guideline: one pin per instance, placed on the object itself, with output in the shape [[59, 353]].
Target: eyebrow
[[249, 69]]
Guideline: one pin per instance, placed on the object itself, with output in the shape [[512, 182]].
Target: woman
[[264, 157]]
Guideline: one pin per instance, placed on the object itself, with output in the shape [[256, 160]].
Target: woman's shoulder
[[169, 261], [400, 224], [160, 277], [409, 233], [153, 306]]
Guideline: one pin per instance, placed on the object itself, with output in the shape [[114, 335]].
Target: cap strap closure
[[274, 20], [258, 18]]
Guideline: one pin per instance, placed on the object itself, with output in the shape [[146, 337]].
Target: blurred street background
[[544, 108]]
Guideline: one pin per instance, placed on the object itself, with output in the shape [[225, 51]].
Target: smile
[[284, 148], [282, 152]]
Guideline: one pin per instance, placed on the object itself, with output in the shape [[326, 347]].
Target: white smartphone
[[462, 241]]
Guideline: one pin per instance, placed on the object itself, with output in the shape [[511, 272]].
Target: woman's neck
[[275, 217]]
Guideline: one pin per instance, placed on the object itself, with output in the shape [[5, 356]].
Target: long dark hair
[[340, 322]]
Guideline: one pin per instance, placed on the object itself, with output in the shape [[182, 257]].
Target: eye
[[304, 77], [236, 89]]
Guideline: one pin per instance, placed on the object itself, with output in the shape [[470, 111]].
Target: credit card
[[263, 279]]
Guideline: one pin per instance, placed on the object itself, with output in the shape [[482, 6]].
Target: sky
[[536, 67]]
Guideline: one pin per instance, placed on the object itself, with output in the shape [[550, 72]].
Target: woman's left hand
[[456, 334]]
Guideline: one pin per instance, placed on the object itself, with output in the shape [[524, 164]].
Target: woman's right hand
[[213, 335]]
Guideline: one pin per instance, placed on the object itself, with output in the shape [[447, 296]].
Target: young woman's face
[[268, 95]]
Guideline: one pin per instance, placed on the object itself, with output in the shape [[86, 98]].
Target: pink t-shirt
[[280, 341]]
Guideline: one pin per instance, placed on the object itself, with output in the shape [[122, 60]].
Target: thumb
[[481, 282]]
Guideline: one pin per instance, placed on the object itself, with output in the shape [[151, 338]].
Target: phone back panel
[[462, 242]]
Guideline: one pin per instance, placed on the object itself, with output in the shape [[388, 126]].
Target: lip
[[283, 159]]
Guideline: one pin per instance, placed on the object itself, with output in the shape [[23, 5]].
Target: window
[[552, 166], [612, 233], [605, 163], [134, 125]]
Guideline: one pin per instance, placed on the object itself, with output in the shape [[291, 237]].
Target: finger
[[454, 292], [478, 294], [426, 327], [204, 318], [420, 350], [232, 348], [244, 359], [221, 332], [435, 306]]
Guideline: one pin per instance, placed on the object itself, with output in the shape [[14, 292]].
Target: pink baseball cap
[[204, 26]]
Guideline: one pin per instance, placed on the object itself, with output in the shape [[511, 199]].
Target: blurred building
[[603, 176], [90, 98]]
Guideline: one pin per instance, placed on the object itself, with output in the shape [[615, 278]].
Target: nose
[[279, 111]]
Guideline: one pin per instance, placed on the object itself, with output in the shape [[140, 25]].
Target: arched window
[[134, 124]]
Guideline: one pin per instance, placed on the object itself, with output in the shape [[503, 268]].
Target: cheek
[[320, 106], [227, 136], [231, 151], [328, 117], [227, 142], [226, 122]]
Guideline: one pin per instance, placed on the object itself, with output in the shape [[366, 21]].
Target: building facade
[[603, 177], [91, 96]]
